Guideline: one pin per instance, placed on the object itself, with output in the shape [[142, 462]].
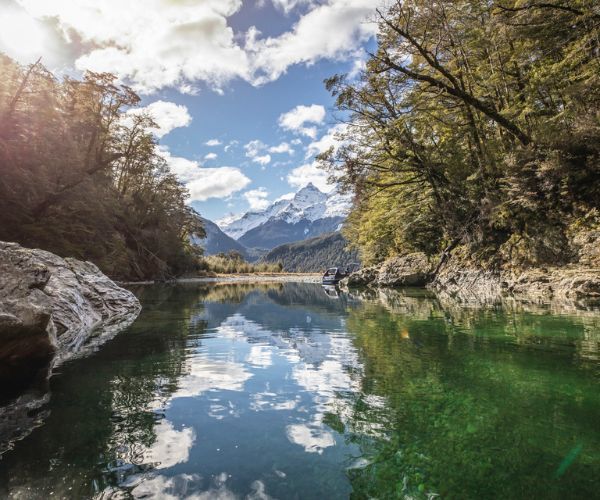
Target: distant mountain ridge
[[313, 255], [217, 241], [309, 213]]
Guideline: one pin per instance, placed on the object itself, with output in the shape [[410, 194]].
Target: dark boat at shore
[[334, 275]]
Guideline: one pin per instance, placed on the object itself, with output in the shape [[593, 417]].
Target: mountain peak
[[309, 187], [308, 205]]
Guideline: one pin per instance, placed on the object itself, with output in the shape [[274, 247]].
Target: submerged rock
[[54, 306]]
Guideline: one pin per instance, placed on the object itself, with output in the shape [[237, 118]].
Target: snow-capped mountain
[[309, 213]]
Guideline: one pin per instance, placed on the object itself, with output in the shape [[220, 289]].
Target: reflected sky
[[281, 391]]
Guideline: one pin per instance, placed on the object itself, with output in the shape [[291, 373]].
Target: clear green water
[[280, 391]]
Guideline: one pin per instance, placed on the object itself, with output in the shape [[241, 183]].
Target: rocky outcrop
[[408, 270], [413, 269], [54, 307], [574, 282], [363, 277], [458, 277]]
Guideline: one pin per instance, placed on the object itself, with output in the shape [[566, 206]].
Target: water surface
[[283, 391]]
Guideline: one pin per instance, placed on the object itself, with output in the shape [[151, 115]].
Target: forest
[[78, 180], [474, 127]]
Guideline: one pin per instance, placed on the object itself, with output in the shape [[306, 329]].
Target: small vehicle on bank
[[334, 275]]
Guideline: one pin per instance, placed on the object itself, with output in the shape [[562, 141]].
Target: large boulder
[[50, 306], [413, 269], [361, 278]]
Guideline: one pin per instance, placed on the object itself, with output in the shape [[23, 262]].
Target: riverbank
[[461, 277], [242, 278]]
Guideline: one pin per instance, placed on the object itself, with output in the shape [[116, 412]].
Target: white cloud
[[260, 355], [282, 148], [289, 5], [211, 156], [262, 160], [167, 115], [155, 43], [312, 438], [205, 183], [332, 30], [257, 198], [171, 446], [217, 183], [230, 146], [310, 172], [177, 43], [254, 148], [296, 119], [211, 375], [213, 142], [253, 151], [330, 139]]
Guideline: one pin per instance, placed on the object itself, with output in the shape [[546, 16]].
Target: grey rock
[[53, 305], [363, 277], [575, 282], [413, 269]]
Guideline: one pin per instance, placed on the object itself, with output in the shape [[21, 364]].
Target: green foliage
[[78, 180], [313, 255], [233, 263], [474, 122]]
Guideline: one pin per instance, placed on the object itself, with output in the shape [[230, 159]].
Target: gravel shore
[[244, 278]]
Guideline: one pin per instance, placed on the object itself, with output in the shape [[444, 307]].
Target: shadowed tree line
[[475, 124], [79, 180]]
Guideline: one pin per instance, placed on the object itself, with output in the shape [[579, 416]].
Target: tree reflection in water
[[285, 390]]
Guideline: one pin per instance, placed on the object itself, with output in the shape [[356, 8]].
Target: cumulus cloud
[[211, 156], [254, 150], [213, 143], [171, 446], [205, 183], [212, 375], [296, 119], [331, 139], [309, 172], [177, 43], [282, 148], [167, 115], [257, 198], [155, 43], [217, 183], [262, 160], [289, 5], [313, 439], [311, 38]]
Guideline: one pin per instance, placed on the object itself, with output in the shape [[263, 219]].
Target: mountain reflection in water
[[291, 391]]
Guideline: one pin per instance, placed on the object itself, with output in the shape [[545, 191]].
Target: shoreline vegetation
[[472, 138]]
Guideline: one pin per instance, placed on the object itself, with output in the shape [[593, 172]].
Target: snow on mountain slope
[[309, 204]]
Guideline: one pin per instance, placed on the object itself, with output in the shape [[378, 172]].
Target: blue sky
[[247, 76]]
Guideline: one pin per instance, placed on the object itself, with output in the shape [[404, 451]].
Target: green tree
[[473, 123]]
